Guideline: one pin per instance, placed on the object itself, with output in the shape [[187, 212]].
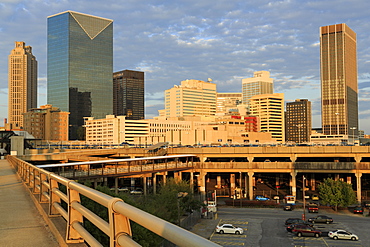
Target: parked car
[[288, 207], [321, 219], [290, 227], [303, 230], [261, 198], [229, 228], [342, 234], [358, 210], [290, 221], [120, 189], [315, 197], [313, 208], [137, 191]]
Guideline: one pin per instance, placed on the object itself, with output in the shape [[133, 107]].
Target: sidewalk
[[21, 224], [205, 227]]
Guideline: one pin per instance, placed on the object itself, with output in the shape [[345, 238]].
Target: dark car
[[321, 219], [312, 208], [288, 207], [290, 227], [290, 221], [358, 210], [308, 231]]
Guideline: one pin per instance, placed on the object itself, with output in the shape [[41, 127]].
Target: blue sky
[[227, 41]]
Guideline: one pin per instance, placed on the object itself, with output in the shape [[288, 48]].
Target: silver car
[[229, 228], [342, 234]]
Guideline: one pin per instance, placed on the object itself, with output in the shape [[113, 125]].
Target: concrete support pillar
[[202, 185], [358, 186], [336, 177], [293, 183], [219, 182], [358, 158], [165, 178], [105, 183], [145, 186], [313, 182], [192, 182], [95, 183], [293, 158], [349, 180], [177, 176], [154, 183], [232, 181], [132, 183], [116, 185], [250, 185]]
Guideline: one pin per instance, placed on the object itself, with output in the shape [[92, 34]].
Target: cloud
[[224, 40]]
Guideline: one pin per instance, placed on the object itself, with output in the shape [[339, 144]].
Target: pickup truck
[[312, 208]]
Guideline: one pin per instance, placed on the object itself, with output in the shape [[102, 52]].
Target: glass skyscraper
[[80, 67]]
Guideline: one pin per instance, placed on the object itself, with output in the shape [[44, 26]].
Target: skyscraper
[[191, 98], [128, 94], [269, 108], [80, 66], [339, 88], [22, 79], [260, 83], [298, 121]]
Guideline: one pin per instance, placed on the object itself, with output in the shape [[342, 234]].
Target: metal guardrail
[[118, 229]]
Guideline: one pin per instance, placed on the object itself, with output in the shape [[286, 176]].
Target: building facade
[[114, 130], [269, 108], [128, 94], [227, 103], [339, 87], [47, 123], [260, 83], [298, 121], [22, 84], [80, 66], [191, 98]]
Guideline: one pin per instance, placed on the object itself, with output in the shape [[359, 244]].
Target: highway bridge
[[208, 168]]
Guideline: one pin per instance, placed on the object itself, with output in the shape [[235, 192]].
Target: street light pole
[[304, 198]]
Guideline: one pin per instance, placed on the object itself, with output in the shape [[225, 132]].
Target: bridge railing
[[47, 185]]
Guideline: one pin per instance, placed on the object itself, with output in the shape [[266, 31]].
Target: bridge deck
[[21, 224]]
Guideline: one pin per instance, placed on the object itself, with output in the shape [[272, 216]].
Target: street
[[265, 227]]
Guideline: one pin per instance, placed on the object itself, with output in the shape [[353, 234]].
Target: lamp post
[[304, 198], [353, 134]]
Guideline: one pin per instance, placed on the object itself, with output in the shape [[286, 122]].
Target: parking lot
[[265, 227]]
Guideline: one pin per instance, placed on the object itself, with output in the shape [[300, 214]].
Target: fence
[[118, 229]]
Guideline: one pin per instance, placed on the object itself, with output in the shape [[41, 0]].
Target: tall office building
[[191, 98], [269, 108], [80, 67], [22, 84], [339, 88], [128, 94], [298, 123], [260, 83], [227, 103]]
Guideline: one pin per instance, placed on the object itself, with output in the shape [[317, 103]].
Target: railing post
[[53, 197], [36, 182], [118, 223], [43, 177], [72, 236]]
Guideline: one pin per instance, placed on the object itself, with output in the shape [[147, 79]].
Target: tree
[[336, 193]]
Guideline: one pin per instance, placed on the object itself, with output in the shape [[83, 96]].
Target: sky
[[224, 40]]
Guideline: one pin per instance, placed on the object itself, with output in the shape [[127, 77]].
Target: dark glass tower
[[298, 121], [128, 94], [80, 67]]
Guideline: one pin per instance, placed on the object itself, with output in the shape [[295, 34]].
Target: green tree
[[336, 193]]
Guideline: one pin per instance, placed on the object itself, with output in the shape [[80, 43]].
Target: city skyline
[[227, 42]]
